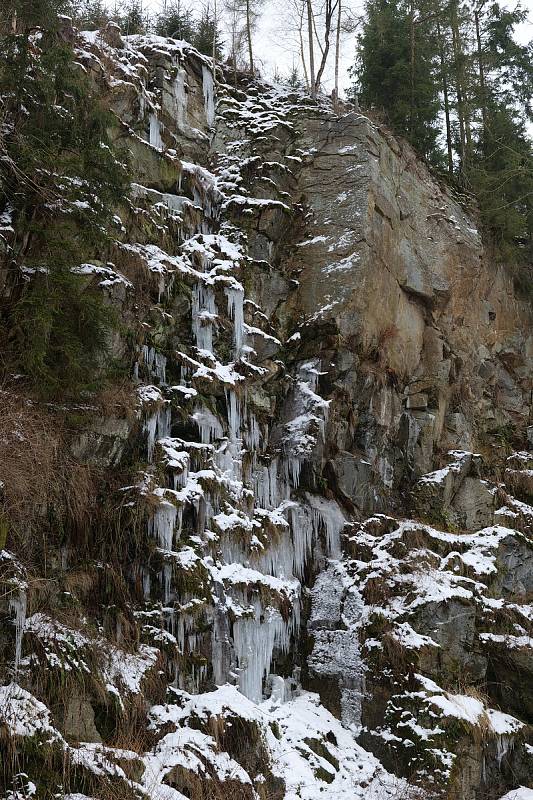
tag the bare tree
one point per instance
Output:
(329, 9)
(310, 36)
(242, 17)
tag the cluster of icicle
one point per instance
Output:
(261, 486)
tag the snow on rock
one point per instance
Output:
(24, 715)
(307, 747)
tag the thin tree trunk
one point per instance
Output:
(446, 101)
(483, 97)
(311, 51)
(330, 10)
(411, 66)
(249, 35)
(458, 82)
(337, 51)
(214, 41)
(302, 53)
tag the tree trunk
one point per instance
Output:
(214, 53)
(249, 35)
(411, 67)
(337, 51)
(330, 10)
(302, 55)
(481, 66)
(446, 101)
(311, 51)
(457, 57)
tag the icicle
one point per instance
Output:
(17, 604)
(166, 581)
(146, 584)
(233, 405)
(204, 312)
(208, 425)
(161, 525)
(253, 434)
(181, 97)
(155, 132)
(209, 95)
(281, 689)
(293, 467)
(254, 642)
(160, 367)
(302, 538)
(155, 363)
(328, 517)
(236, 312)
(157, 426)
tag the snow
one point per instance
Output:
(309, 744)
(249, 528)
(24, 715)
(522, 793)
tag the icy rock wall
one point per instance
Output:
(309, 310)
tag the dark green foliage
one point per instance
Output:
(60, 182)
(500, 169)
(294, 79)
(18, 16)
(502, 175)
(132, 19)
(89, 15)
(206, 32)
(177, 22)
(385, 80)
(425, 63)
(60, 332)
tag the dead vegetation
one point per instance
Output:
(40, 481)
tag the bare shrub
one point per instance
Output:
(38, 476)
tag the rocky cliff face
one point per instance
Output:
(310, 571)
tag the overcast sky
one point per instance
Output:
(275, 49)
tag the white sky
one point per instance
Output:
(275, 49)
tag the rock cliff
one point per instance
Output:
(308, 569)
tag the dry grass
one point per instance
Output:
(377, 591)
(39, 477)
(118, 400)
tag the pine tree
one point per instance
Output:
(90, 15)
(398, 70)
(132, 19)
(501, 168)
(207, 37)
(176, 21)
(60, 181)
(19, 16)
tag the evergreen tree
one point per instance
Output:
(90, 15)
(176, 21)
(207, 32)
(398, 68)
(60, 182)
(501, 168)
(19, 16)
(132, 19)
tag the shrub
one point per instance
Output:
(61, 180)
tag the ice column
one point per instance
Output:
(17, 605)
(209, 95)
